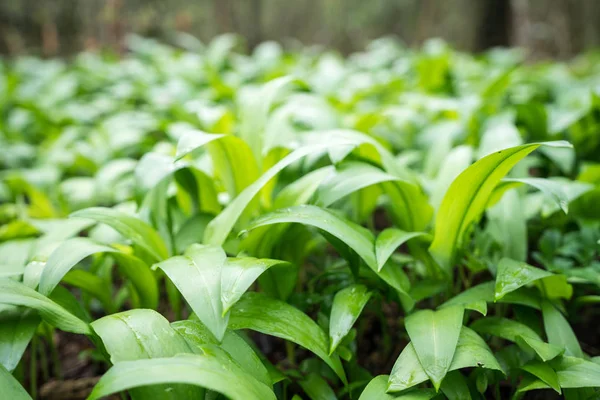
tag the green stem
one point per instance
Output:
(44, 362)
(33, 368)
(291, 353)
(57, 370)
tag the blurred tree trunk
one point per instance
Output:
(544, 27)
(548, 28)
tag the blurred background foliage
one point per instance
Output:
(546, 28)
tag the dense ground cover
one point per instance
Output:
(204, 224)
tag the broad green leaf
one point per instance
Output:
(530, 382)
(240, 351)
(277, 318)
(559, 331)
(508, 225)
(317, 388)
(511, 275)
(347, 305)
(544, 372)
(17, 327)
(376, 390)
(72, 251)
(574, 372)
(14, 256)
(212, 370)
(545, 351)
(191, 139)
(11, 388)
(254, 113)
(238, 274)
(197, 274)
(17, 294)
(233, 163)
(394, 276)
(141, 277)
(408, 205)
(356, 237)
(455, 162)
(467, 197)
(219, 228)
(195, 333)
(455, 387)
(471, 351)
(517, 332)
(388, 241)
(550, 188)
(434, 336)
(130, 227)
(503, 327)
(92, 284)
(349, 178)
(64, 258)
(474, 298)
(138, 334)
(301, 190)
(555, 287)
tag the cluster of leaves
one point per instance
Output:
(364, 210)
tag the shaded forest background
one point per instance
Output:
(546, 28)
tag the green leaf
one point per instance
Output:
(238, 274)
(550, 188)
(197, 275)
(467, 197)
(212, 370)
(138, 334)
(141, 278)
(17, 327)
(544, 372)
(191, 139)
(474, 298)
(508, 225)
(254, 113)
(17, 294)
(516, 332)
(233, 163)
(92, 284)
(356, 237)
(555, 287)
(11, 388)
(68, 254)
(545, 351)
(376, 390)
(512, 275)
(576, 372)
(277, 318)
(388, 241)
(347, 305)
(317, 388)
(434, 336)
(302, 189)
(349, 178)
(503, 327)
(454, 386)
(409, 206)
(559, 331)
(219, 228)
(240, 351)
(471, 351)
(130, 227)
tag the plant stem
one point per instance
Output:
(33, 368)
